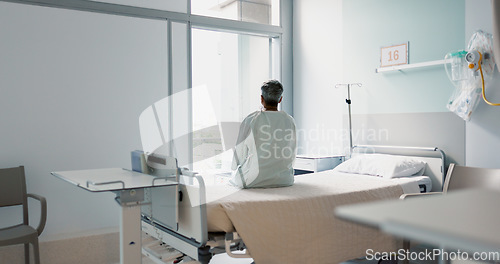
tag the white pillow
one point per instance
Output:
(383, 165)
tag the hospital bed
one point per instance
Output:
(294, 224)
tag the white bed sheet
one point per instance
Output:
(297, 224)
(218, 221)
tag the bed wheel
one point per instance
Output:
(204, 255)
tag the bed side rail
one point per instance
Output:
(191, 235)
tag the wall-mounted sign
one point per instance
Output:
(394, 55)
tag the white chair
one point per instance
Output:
(463, 177)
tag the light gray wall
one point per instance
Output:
(444, 130)
(409, 91)
(410, 104)
(72, 87)
(317, 67)
(483, 130)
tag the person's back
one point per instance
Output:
(266, 146)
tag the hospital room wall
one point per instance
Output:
(482, 133)
(404, 107)
(340, 41)
(421, 92)
(72, 86)
(370, 25)
(317, 67)
(320, 54)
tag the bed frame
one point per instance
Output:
(190, 235)
(433, 156)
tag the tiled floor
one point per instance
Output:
(225, 259)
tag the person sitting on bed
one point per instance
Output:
(266, 145)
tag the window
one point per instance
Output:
(228, 70)
(256, 11)
(175, 6)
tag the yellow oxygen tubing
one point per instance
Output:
(484, 93)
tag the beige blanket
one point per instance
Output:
(297, 224)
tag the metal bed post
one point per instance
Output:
(348, 102)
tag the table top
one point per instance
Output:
(112, 179)
(466, 219)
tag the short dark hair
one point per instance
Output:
(272, 91)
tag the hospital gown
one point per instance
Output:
(265, 151)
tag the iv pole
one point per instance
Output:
(348, 102)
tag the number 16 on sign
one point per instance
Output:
(394, 55)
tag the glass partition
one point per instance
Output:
(228, 70)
